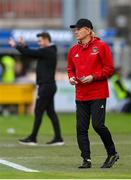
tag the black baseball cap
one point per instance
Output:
(82, 23)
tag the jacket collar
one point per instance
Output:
(93, 39)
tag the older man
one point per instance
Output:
(89, 66)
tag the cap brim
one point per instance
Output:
(37, 35)
(72, 26)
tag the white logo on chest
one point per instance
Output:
(77, 55)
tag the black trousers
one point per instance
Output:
(94, 109)
(45, 102)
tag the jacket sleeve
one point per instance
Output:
(36, 53)
(70, 66)
(107, 64)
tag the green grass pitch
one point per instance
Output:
(62, 162)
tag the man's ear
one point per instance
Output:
(88, 30)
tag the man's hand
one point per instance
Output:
(12, 42)
(73, 81)
(86, 79)
(22, 41)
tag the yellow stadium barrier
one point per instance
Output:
(17, 94)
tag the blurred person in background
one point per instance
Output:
(1, 70)
(46, 57)
(8, 75)
(121, 92)
(1, 75)
(89, 66)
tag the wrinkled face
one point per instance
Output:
(82, 33)
(43, 42)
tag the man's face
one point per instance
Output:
(82, 33)
(43, 42)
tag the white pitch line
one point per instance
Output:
(16, 166)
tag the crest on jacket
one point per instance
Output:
(94, 50)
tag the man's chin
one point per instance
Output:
(78, 39)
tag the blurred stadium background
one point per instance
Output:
(28, 17)
(112, 22)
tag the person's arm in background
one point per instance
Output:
(22, 42)
(36, 53)
(107, 64)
